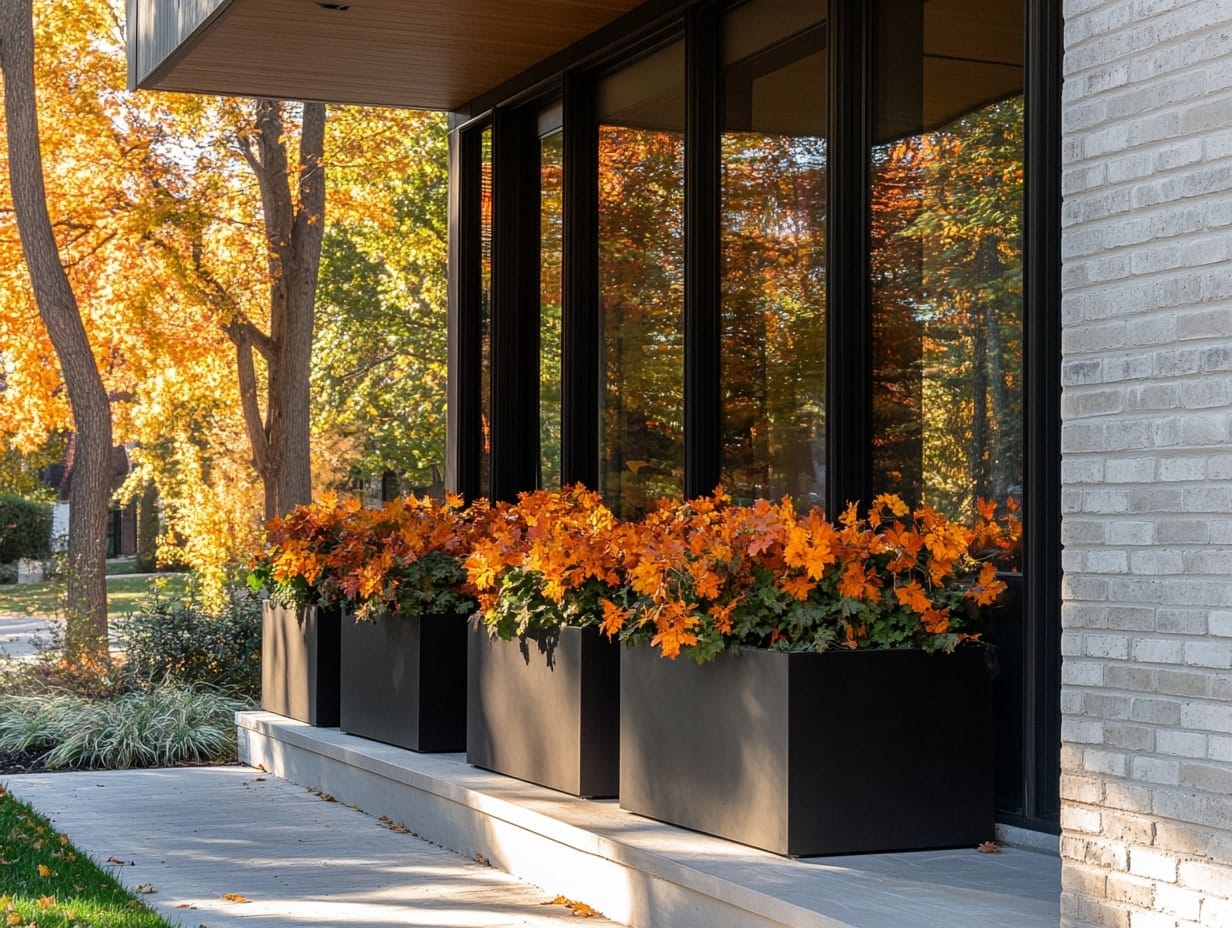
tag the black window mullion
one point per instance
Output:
(702, 319)
(1042, 398)
(849, 338)
(464, 438)
(580, 351)
(515, 303)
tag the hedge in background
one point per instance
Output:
(25, 529)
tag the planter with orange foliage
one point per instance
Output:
(542, 681)
(396, 574)
(403, 681)
(806, 754)
(839, 700)
(300, 623)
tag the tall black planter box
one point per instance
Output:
(808, 754)
(299, 663)
(404, 681)
(546, 712)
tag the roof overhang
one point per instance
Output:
(426, 54)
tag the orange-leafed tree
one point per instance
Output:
(57, 307)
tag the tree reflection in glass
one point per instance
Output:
(946, 252)
(551, 169)
(773, 244)
(485, 312)
(641, 281)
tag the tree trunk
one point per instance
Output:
(90, 490)
(147, 528)
(294, 226)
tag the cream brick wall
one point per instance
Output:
(1147, 464)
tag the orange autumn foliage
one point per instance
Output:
(403, 558)
(692, 577)
(711, 575)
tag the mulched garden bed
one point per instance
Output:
(22, 763)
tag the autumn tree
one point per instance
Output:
(234, 226)
(58, 309)
(189, 228)
(293, 214)
(103, 191)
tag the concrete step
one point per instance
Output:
(644, 873)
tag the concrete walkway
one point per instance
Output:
(19, 632)
(197, 834)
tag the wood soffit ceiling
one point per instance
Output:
(426, 54)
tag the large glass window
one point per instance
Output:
(551, 217)
(773, 250)
(641, 280)
(946, 250)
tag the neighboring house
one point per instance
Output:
(947, 248)
(121, 520)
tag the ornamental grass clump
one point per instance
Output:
(159, 727)
(404, 558)
(550, 559)
(710, 576)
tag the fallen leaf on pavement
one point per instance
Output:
(234, 897)
(579, 909)
(989, 847)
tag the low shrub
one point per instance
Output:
(25, 529)
(183, 641)
(159, 727)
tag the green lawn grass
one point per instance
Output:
(47, 599)
(45, 881)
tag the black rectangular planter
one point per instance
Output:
(807, 754)
(404, 681)
(546, 713)
(299, 663)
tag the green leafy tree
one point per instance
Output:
(379, 364)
